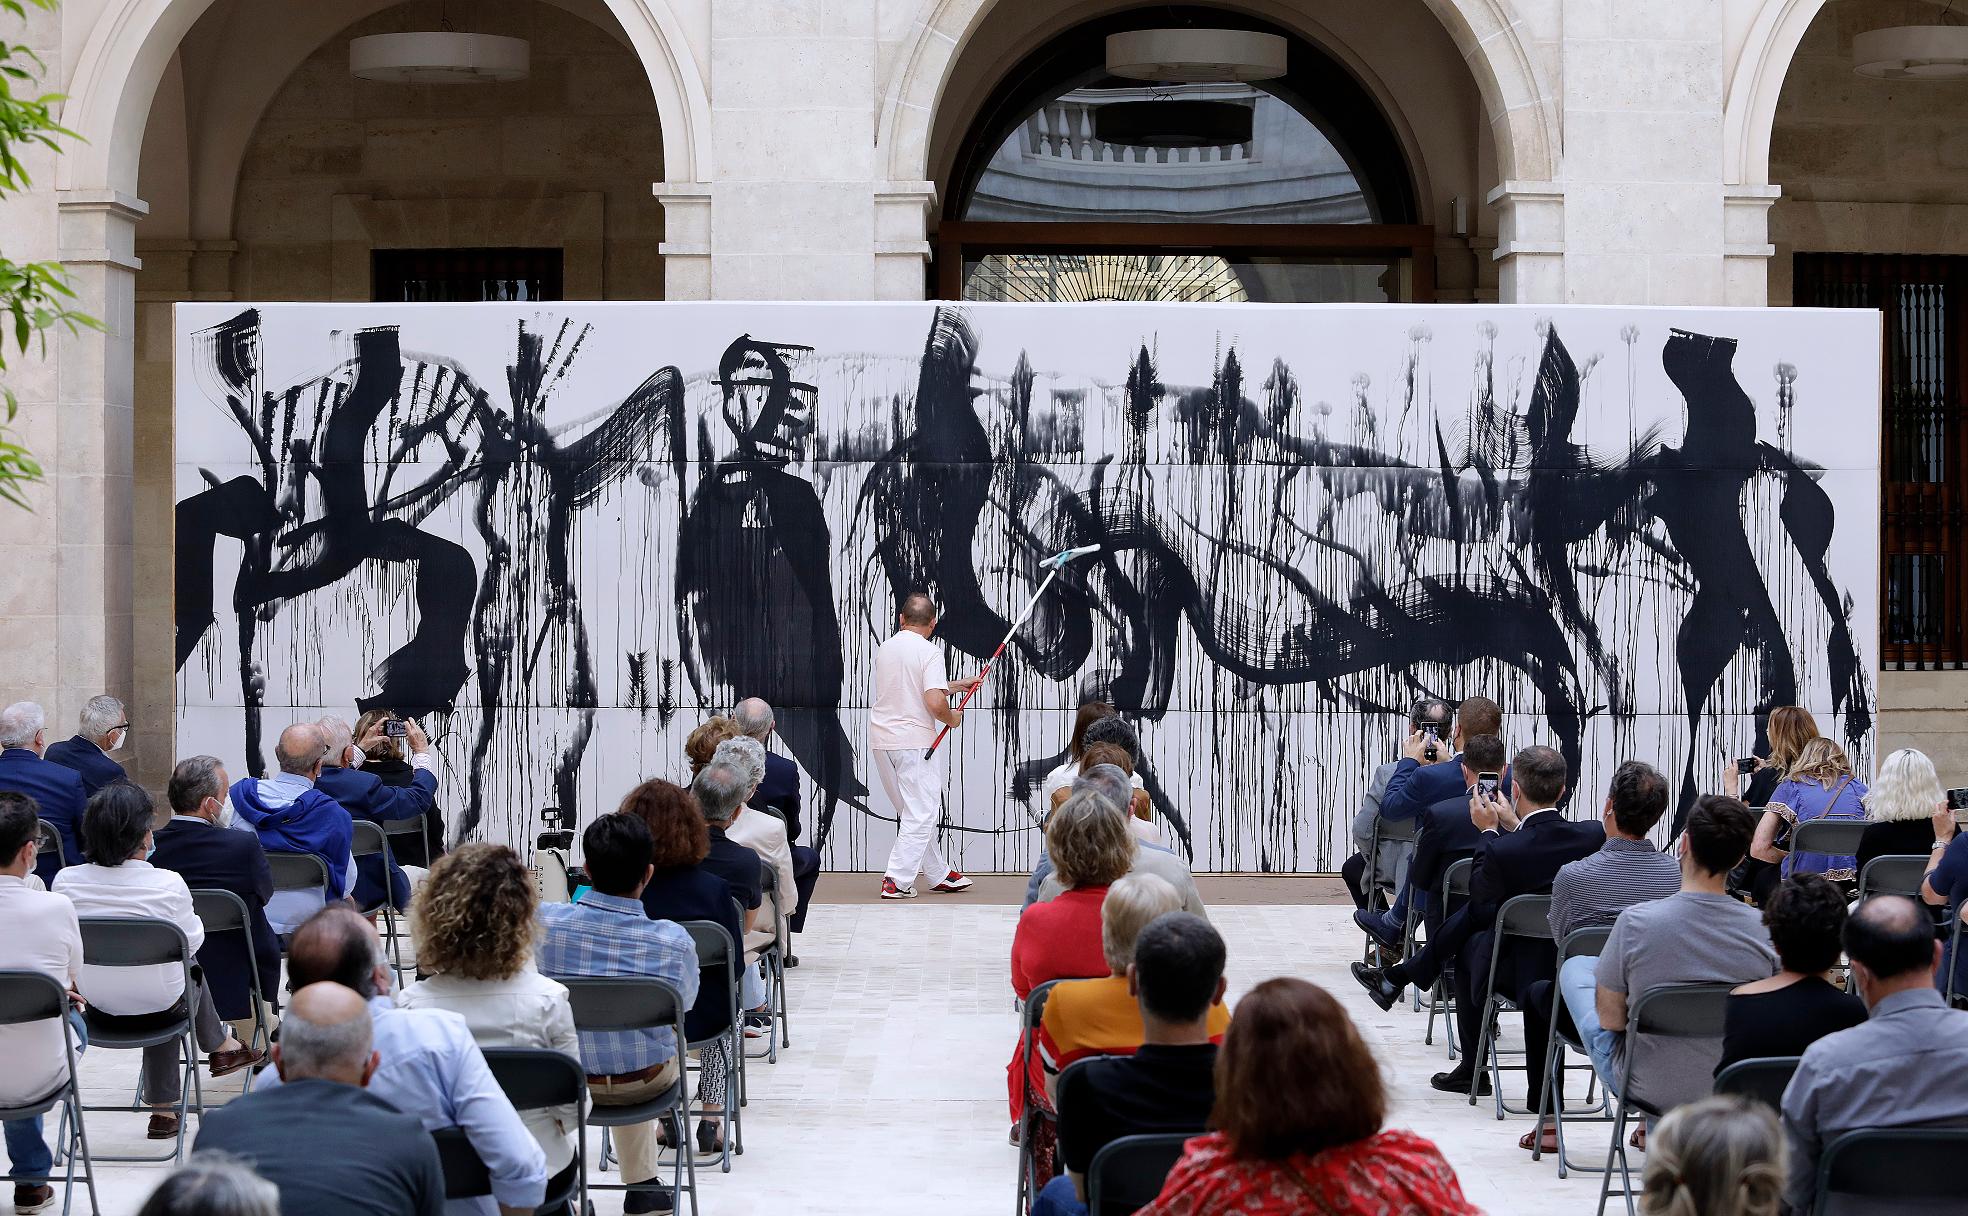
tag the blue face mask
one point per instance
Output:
(150, 850)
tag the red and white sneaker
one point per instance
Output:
(953, 881)
(891, 891)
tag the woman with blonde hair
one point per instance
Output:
(1721, 1156)
(475, 920)
(1904, 807)
(1790, 727)
(1820, 785)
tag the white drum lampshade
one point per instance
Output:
(439, 57)
(1195, 56)
(1912, 52)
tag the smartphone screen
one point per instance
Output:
(1746, 765)
(1487, 784)
(1957, 801)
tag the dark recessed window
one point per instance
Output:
(471, 276)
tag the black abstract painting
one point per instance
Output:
(564, 536)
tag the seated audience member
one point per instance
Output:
(431, 1066)
(681, 889)
(103, 729)
(1720, 1156)
(1300, 1109)
(780, 792)
(1698, 935)
(1819, 786)
(1109, 782)
(1789, 1011)
(1525, 842)
(1392, 861)
(607, 932)
(364, 796)
(212, 1184)
(1446, 835)
(1902, 1067)
(1060, 939)
(196, 846)
(1147, 859)
(383, 759)
(1418, 783)
(42, 935)
(1168, 1084)
(1902, 807)
(321, 1137)
(1139, 806)
(1790, 727)
(1099, 1016)
(762, 833)
(720, 791)
(1946, 885)
(1062, 776)
(57, 791)
(290, 815)
(476, 918)
(118, 881)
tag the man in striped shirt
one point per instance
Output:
(608, 933)
(1594, 890)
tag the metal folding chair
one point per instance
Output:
(297, 872)
(719, 962)
(1522, 916)
(532, 1078)
(1579, 942)
(1893, 874)
(224, 912)
(31, 996)
(112, 941)
(405, 829)
(1441, 998)
(1891, 1163)
(1836, 837)
(1388, 834)
(48, 836)
(603, 1004)
(774, 957)
(1676, 1011)
(1763, 1079)
(1034, 1108)
(1127, 1174)
(370, 841)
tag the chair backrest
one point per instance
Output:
(297, 871)
(1680, 1011)
(140, 941)
(219, 911)
(465, 1173)
(1904, 1163)
(1035, 1003)
(1763, 1079)
(1589, 942)
(368, 840)
(30, 996)
(623, 1002)
(1525, 916)
(413, 826)
(1893, 874)
(536, 1077)
(1455, 879)
(1127, 1174)
(1836, 837)
(1394, 831)
(49, 838)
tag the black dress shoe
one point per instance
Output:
(792, 960)
(1374, 925)
(1383, 990)
(1456, 1081)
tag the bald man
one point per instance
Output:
(291, 816)
(780, 791)
(320, 1136)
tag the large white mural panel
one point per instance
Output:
(566, 533)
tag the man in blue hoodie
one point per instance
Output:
(291, 816)
(364, 796)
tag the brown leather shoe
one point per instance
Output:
(225, 1063)
(163, 1126)
(33, 1197)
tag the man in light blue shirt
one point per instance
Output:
(291, 816)
(430, 1066)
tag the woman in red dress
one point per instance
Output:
(1299, 1107)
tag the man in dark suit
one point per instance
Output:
(196, 845)
(57, 791)
(1525, 843)
(365, 796)
(1418, 783)
(780, 790)
(104, 729)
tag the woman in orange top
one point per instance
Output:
(1299, 1108)
(1060, 939)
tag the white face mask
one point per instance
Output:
(355, 757)
(226, 813)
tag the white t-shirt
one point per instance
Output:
(906, 666)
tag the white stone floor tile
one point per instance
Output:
(892, 1096)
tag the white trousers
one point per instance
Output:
(915, 789)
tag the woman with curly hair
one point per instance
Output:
(1721, 1156)
(680, 890)
(1784, 1014)
(475, 922)
(702, 743)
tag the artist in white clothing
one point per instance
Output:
(912, 696)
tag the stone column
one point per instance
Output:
(1530, 242)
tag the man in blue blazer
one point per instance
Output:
(196, 845)
(780, 791)
(365, 796)
(104, 729)
(1418, 783)
(57, 791)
